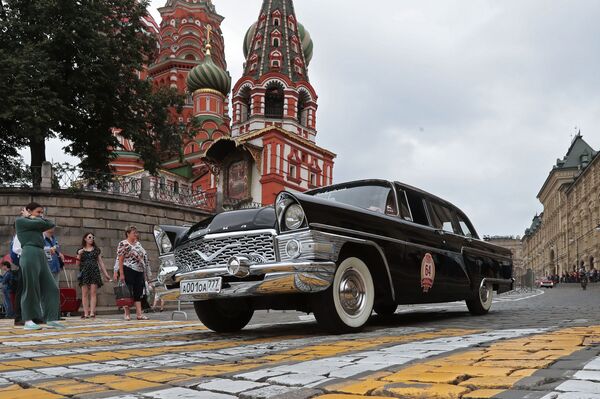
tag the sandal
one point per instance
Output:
(143, 317)
(92, 316)
(84, 316)
(127, 318)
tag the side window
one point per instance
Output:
(441, 217)
(403, 203)
(390, 204)
(417, 208)
(464, 226)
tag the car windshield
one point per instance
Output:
(374, 198)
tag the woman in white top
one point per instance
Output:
(133, 269)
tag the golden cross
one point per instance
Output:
(208, 32)
(208, 45)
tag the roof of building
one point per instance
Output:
(579, 154)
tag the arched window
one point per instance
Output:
(303, 100)
(245, 111)
(274, 100)
(276, 21)
(275, 42)
(176, 187)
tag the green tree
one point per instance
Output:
(70, 69)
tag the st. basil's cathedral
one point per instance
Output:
(269, 142)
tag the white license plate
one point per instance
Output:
(206, 285)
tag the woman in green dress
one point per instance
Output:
(40, 297)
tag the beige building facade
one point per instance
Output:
(566, 235)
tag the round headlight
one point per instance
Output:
(165, 244)
(294, 217)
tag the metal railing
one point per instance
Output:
(173, 193)
(77, 180)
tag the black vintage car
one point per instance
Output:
(340, 252)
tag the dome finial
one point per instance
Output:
(208, 46)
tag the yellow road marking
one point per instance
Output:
(473, 374)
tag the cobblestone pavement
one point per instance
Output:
(540, 344)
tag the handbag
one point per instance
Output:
(123, 296)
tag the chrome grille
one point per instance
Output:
(218, 250)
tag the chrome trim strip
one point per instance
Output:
(239, 233)
(263, 269)
(366, 242)
(376, 236)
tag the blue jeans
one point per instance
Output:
(7, 304)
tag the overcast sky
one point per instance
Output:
(470, 100)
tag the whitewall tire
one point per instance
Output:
(347, 304)
(482, 299)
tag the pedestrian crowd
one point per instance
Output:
(575, 277)
(30, 280)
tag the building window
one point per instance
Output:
(175, 187)
(274, 100)
(313, 179)
(302, 111)
(292, 171)
(276, 22)
(275, 63)
(275, 42)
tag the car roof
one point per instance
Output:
(381, 182)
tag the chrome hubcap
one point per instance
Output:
(352, 292)
(484, 294)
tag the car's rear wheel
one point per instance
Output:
(224, 315)
(481, 302)
(347, 304)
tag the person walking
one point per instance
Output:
(40, 296)
(56, 259)
(90, 264)
(8, 289)
(133, 269)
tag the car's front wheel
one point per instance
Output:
(347, 304)
(481, 302)
(224, 315)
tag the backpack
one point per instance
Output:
(14, 257)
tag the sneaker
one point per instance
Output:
(30, 325)
(55, 324)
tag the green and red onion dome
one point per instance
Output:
(208, 75)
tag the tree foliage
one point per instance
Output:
(70, 69)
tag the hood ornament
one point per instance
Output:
(208, 258)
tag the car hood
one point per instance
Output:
(227, 222)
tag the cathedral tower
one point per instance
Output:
(274, 110)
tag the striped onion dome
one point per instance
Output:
(208, 75)
(306, 40)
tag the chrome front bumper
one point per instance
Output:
(290, 277)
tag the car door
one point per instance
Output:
(452, 273)
(428, 267)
